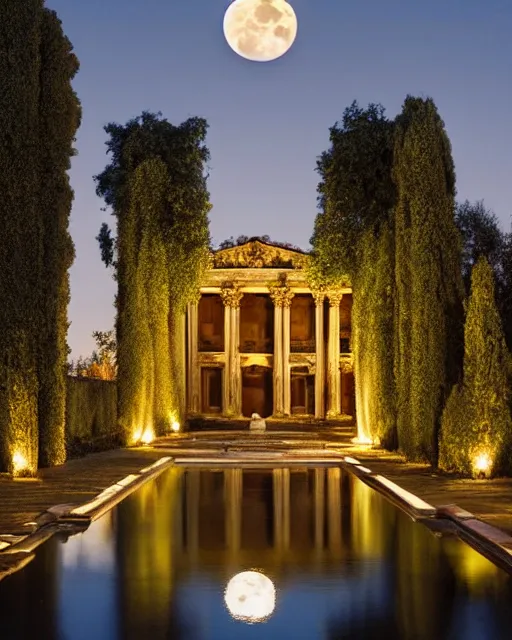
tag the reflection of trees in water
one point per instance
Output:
(429, 583)
(146, 530)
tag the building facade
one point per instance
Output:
(260, 340)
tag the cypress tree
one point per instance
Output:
(59, 119)
(372, 337)
(354, 235)
(21, 232)
(476, 424)
(162, 249)
(428, 277)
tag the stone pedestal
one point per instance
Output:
(320, 356)
(333, 356)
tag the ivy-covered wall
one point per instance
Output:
(91, 415)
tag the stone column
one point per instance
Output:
(194, 377)
(320, 356)
(231, 296)
(226, 374)
(236, 370)
(333, 356)
(281, 297)
(278, 359)
(287, 303)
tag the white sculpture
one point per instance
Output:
(257, 423)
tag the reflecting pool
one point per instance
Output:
(241, 554)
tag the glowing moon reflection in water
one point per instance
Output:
(250, 596)
(260, 30)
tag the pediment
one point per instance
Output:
(258, 255)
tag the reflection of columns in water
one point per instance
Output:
(233, 491)
(194, 378)
(334, 507)
(193, 487)
(319, 508)
(281, 489)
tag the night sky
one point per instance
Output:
(269, 122)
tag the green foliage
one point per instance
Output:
(20, 229)
(39, 115)
(505, 288)
(428, 284)
(372, 335)
(107, 245)
(476, 419)
(356, 191)
(59, 119)
(353, 242)
(156, 186)
(91, 413)
(481, 236)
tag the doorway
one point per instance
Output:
(257, 391)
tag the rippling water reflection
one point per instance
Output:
(343, 562)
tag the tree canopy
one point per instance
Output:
(476, 425)
(39, 115)
(155, 185)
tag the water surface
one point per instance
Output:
(343, 561)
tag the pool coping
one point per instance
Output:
(489, 541)
(17, 551)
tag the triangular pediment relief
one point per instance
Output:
(258, 255)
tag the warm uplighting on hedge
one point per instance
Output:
(482, 465)
(147, 436)
(143, 436)
(20, 464)
(175, 426)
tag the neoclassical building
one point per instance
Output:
(260, 339)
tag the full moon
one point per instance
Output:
(260, 30)
(250, 596)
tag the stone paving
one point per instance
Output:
(79, 480)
